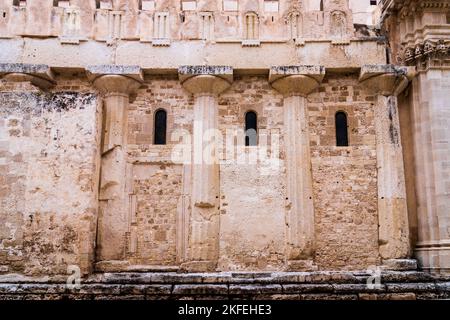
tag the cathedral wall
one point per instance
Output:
(158, 190)
(253, 194)
(49, 173)
(344, 178)
(252, 235)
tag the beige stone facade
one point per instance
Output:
(83, 183)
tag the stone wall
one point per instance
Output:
(48, 160)
(253, 196)
(345, 178)
(252, 193)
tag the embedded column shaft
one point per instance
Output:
(113, 224)
(295, 83)
(392, 206)
(205, 191)
(300, 234)
(387, 82)
(204, 221)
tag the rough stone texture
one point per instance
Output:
(252, 196)
(428, 151)
(300, 286)
(83, 185)
(49, 169)
(344, 178)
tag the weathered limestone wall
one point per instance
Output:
(405, 101)
(49, 173)
(253, 201)
(345, 178)
(168, 19)
(159, 196)
(252, 235)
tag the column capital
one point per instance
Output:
(114, 79)
(386, 80)
(39, 75)
(209, 80)
(296, 80)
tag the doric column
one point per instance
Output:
(115, 83)
(295, 83)
(205, 83)
(387, 82)
(38, 75)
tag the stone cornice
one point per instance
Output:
(405, 8)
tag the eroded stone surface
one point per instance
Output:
(85, 188)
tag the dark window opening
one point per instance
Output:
(341, 129)
(321, 5)
(251, 129)
(160, 127)
(373, 2)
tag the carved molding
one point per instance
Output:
(425, 52)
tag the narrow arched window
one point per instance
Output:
(160, 127)
(341, 129)
(321, 5)
(251, 129)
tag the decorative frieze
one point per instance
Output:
(72, 21)
(426, 53)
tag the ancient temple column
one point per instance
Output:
(295, 83)
(40, 76)
(115, 83)
(205, 83)
(387, 82)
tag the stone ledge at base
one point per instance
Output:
(320, 285)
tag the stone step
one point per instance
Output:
(276, 285)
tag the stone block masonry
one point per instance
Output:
(233, 286)
(245, 147)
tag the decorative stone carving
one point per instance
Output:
(429, 50)
(338, 26)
